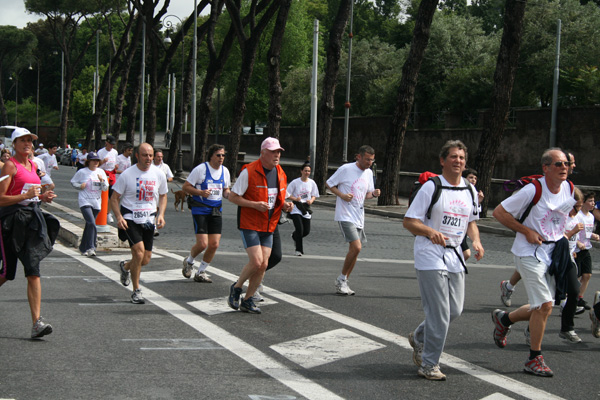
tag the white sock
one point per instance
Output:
(190, 259)
(203, 266)
(343, 277)
(509, 286)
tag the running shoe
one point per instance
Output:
(570, 336)
(538, 367)
(527, 335)
(249, 306)
(431, 373)
(341, 287)
(505, 294)
(578, 309)
(40, 328)
(202, 277)
(234, 297)
(136, 297)
(109, 218)
(417, 349)
(500, 331)
(298, 253)
(187, 268)
(125, 279)
(595, 321)
(582, 303)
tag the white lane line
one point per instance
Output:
(235, 345)
(496, 396)
(466, 367)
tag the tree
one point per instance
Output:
(406, 94)
(504, 78)
(248, 45)
(16, 47)
(334, 50)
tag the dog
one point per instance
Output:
(180, 198)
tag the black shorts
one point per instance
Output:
(136, 233)
(584, 262)
(8, 267)
(207, 224)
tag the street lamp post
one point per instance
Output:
(169, 25)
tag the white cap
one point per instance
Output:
(17, 133)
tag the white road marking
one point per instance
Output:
(219, 305)
(324, 348)
(496, 396)
(235, 345)
(178, 344)
(466, 367)
(118, 257)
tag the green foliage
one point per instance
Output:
(580, 86)
(295, 101)
(491, 13)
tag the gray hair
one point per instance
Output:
(547, 157)
(450, 144)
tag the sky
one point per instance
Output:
(13, 11)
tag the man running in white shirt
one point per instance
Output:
(136, 196)
(208, 183)
(50, 163)
(158, 161)
(352, 183)
(124, 159)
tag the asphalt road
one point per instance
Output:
(307, 344)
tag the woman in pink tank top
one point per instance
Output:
(20, 187)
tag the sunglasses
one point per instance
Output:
(220, 155)
(559, 164)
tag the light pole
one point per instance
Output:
(168, 24)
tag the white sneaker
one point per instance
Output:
(431, 373)
(202, 277)
(109, 218)
(297, 253)
(187, 268)
(341, 287)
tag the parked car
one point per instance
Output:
(65, 158)
(259, 131)
(246, 130)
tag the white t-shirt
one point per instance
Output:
(92, 194)
(450, 215)
(140, 191)
(198, 175)
(304, 190)
(49, 162)
(112, 158)
(123, 162)
(569, 226)
(166, 170)
(585, 235)
(81, 158)
(548, 218)
(349, 178)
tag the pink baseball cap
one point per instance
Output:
(271, 144)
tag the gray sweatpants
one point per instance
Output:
(442, 297)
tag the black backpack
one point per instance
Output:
(437, 191)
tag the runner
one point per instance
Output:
(208, 183)
(139, 190)
(24, 225)
(108, 161)
(352, 183)
(303, 192)
(259, 193)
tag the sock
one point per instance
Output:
(505, 320)
(509, 286)
(534, 353)
(342, 277)
(190, 259)
(203, 265)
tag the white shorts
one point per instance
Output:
(540, 286)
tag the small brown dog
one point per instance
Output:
(180, 198)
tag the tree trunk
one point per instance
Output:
(334, 50)
(406, 96)
(249, 46)
(504, 78)
(3, 112)
(150, 124)
(273, 54)
(133, 101)
(64, 118)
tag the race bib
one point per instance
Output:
(143, 214)
(272, 197)
(25, 190)
(216, 191)
(589, 229)
(304, 197)
(453, 225)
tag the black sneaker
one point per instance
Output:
(582, 303)
(234, 297)
(249, 306)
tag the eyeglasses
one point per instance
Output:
(220, 155)
(559, 164)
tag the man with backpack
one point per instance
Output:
(534, 250)
(443, 210)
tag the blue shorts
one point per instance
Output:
(253, 238)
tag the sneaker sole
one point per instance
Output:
(569, 339)
(542, 374)
(250, 311)
(47, 330)
(432, 378)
